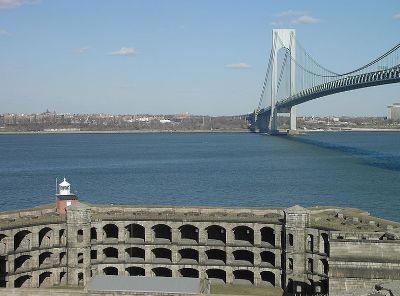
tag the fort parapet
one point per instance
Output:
(304, 251)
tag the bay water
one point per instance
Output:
(345, 169)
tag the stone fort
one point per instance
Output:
(311, 251)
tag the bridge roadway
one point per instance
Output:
(382, 77)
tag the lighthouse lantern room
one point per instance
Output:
(64, 197)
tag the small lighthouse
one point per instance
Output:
(64, 197)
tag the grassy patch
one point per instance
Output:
(245, 290)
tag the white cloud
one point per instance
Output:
(7, 4)
(238, 66)
(306, 19)
(4, 32)
(124, 51)
(290, 13)
(82, 50)
(396, 17)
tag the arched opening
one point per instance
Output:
(216, 257)
(268, 236)
(63, 258)
(324, 243)
(267, 259)
(80, 279)
(135, 254)
(63, 278)
(189, 272)
(80, 258)
(324, 287)
(22, 240)
(216, 235)
(162, 272)
(310, 243)
(136, 232)
(188, 256)
(268, 278)
(93, 254)
(324, 266)
(243, 235)
(45, 236)
(290, 263)
(45, 259)
(289, 287)
(162, 255)
(110, 270)
(110, 253)
(62, 237)
(290, 239)
(216, 275)
(310, 287)
(93, 233)
(135, 271)
(110, 231)
(79, 236)
(21, 262)
(45, 279)
(162, 233)
(3, 244)
(22, 281)
(189, 233)
(243, 257)
(310, 265)
(3, 271)
(243, 277)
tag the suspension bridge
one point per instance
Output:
(294, 77)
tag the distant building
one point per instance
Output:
(394, 112)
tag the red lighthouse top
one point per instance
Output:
(64, 197)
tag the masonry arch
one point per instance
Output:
(45, 258)
(216, 275)
(189, 272)
(3, 243)
(110, 252)
(110, 270)
(162, 272)
(243, 257)
(23, 281)
(162, 233)
(243, 235)
(189, 232)
(22, 240)
(134, 253)
(243, 276)
(324, 245)
(268, 278)
(162, 255)
(93, 233)
(136, 271)
(62, 237)
(135, 231)
(45, 279)
(45, 237)
(216, 256)
(268, 236)
(110, 231)
(188, 256)
(22, 262)
(267, 258)
(216, 234)
(79, 236)
(310, 243)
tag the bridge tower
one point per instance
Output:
(282, 39)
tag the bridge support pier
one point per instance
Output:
(293, 118)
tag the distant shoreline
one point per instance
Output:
(123, 132)
(300, 131)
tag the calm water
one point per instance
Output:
(359, 169)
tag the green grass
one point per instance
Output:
(245, 290)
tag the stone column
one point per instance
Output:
(78, 219)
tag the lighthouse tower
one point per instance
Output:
(64, 197)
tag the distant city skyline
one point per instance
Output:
(169, 57)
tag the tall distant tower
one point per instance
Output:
(64, 197)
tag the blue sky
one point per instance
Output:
(173, 56)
